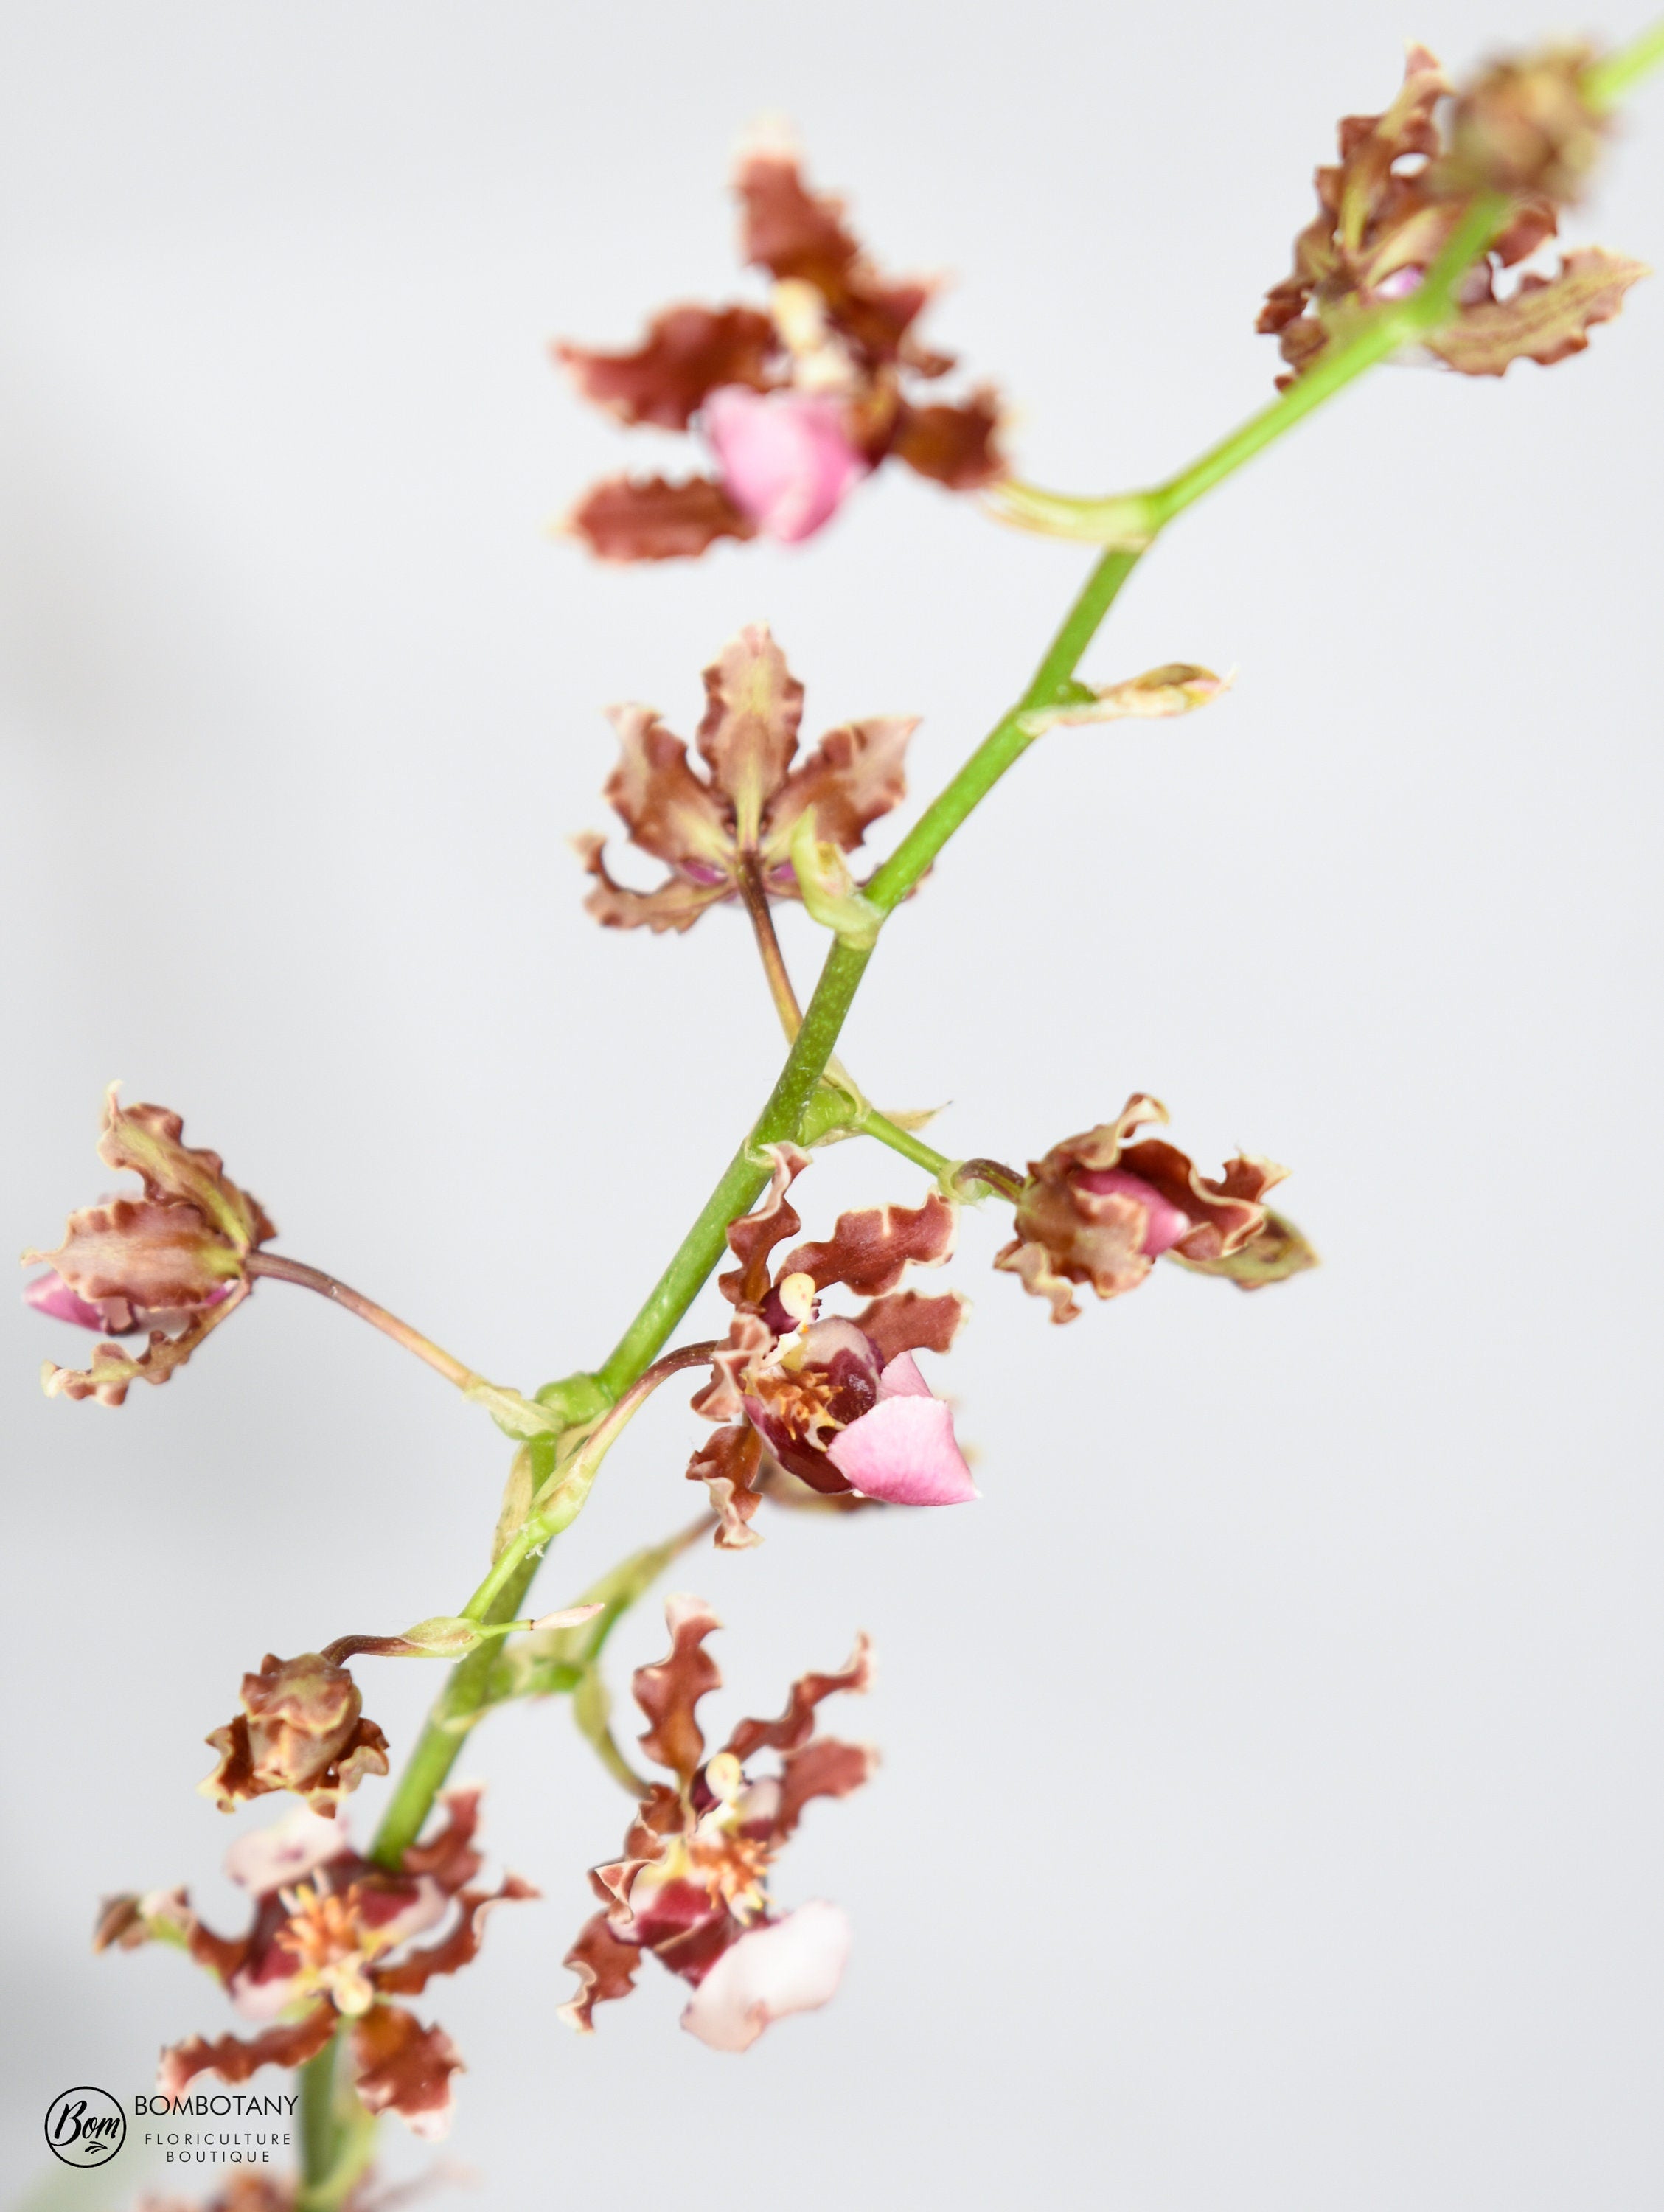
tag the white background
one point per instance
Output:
(1270, 1807)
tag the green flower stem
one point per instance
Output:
(319, 2132)
(742, 1182)
(1007, 742)
(875, 1124)
(1137, 518)
(746, 1175)
(337, 2134)
(781, 1118)
(566, 1494)
(830, 1109)
(439, 1745)
(498, 1599)
(467, 1688)
(1606, 82)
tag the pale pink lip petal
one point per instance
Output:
(269, 1995)
(902, 1379)
(1400, 283)
(792, 1966)
(904, 1451)
(266, 1860)
(433, 2122)
(51, 1294)
(1167, 1223)
(785, 460)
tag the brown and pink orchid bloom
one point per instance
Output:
(727, 834)
(839, 1404)
(332, 1942)
(1102, 1208)
(302, 1728)
(172, 1263)
(795, 403)
(692, 1887)
(1403, 185)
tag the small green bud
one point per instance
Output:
(1279, 1251)
(828, 888)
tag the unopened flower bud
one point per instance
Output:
(173, 1260)
(569, 1616)
(1271, 1255)
(1102, 1207)
(828, 890)
(1526, 127)
(301, 1728)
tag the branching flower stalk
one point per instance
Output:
(813, 1047)
(797, 406)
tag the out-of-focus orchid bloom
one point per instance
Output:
(692, 1887)
(796, 403)
(328, 1946)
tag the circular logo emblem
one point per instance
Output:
(85, 2127)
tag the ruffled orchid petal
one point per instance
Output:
(51, 1295)
(791, 1966)
(269, 1859)
(904, 1453)
(787, 460)
(1101, 1206)
(1167, 1222)
(394, 1918)
(902, 1379)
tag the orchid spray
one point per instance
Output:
(1428, 241)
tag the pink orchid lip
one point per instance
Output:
(787, 460)
(902, 1379)
(265, 1992)
(787, 1966)
(904, 1452)
(51, 1295)
(1401, 283)
(1167, 1223)
(266, 1860)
